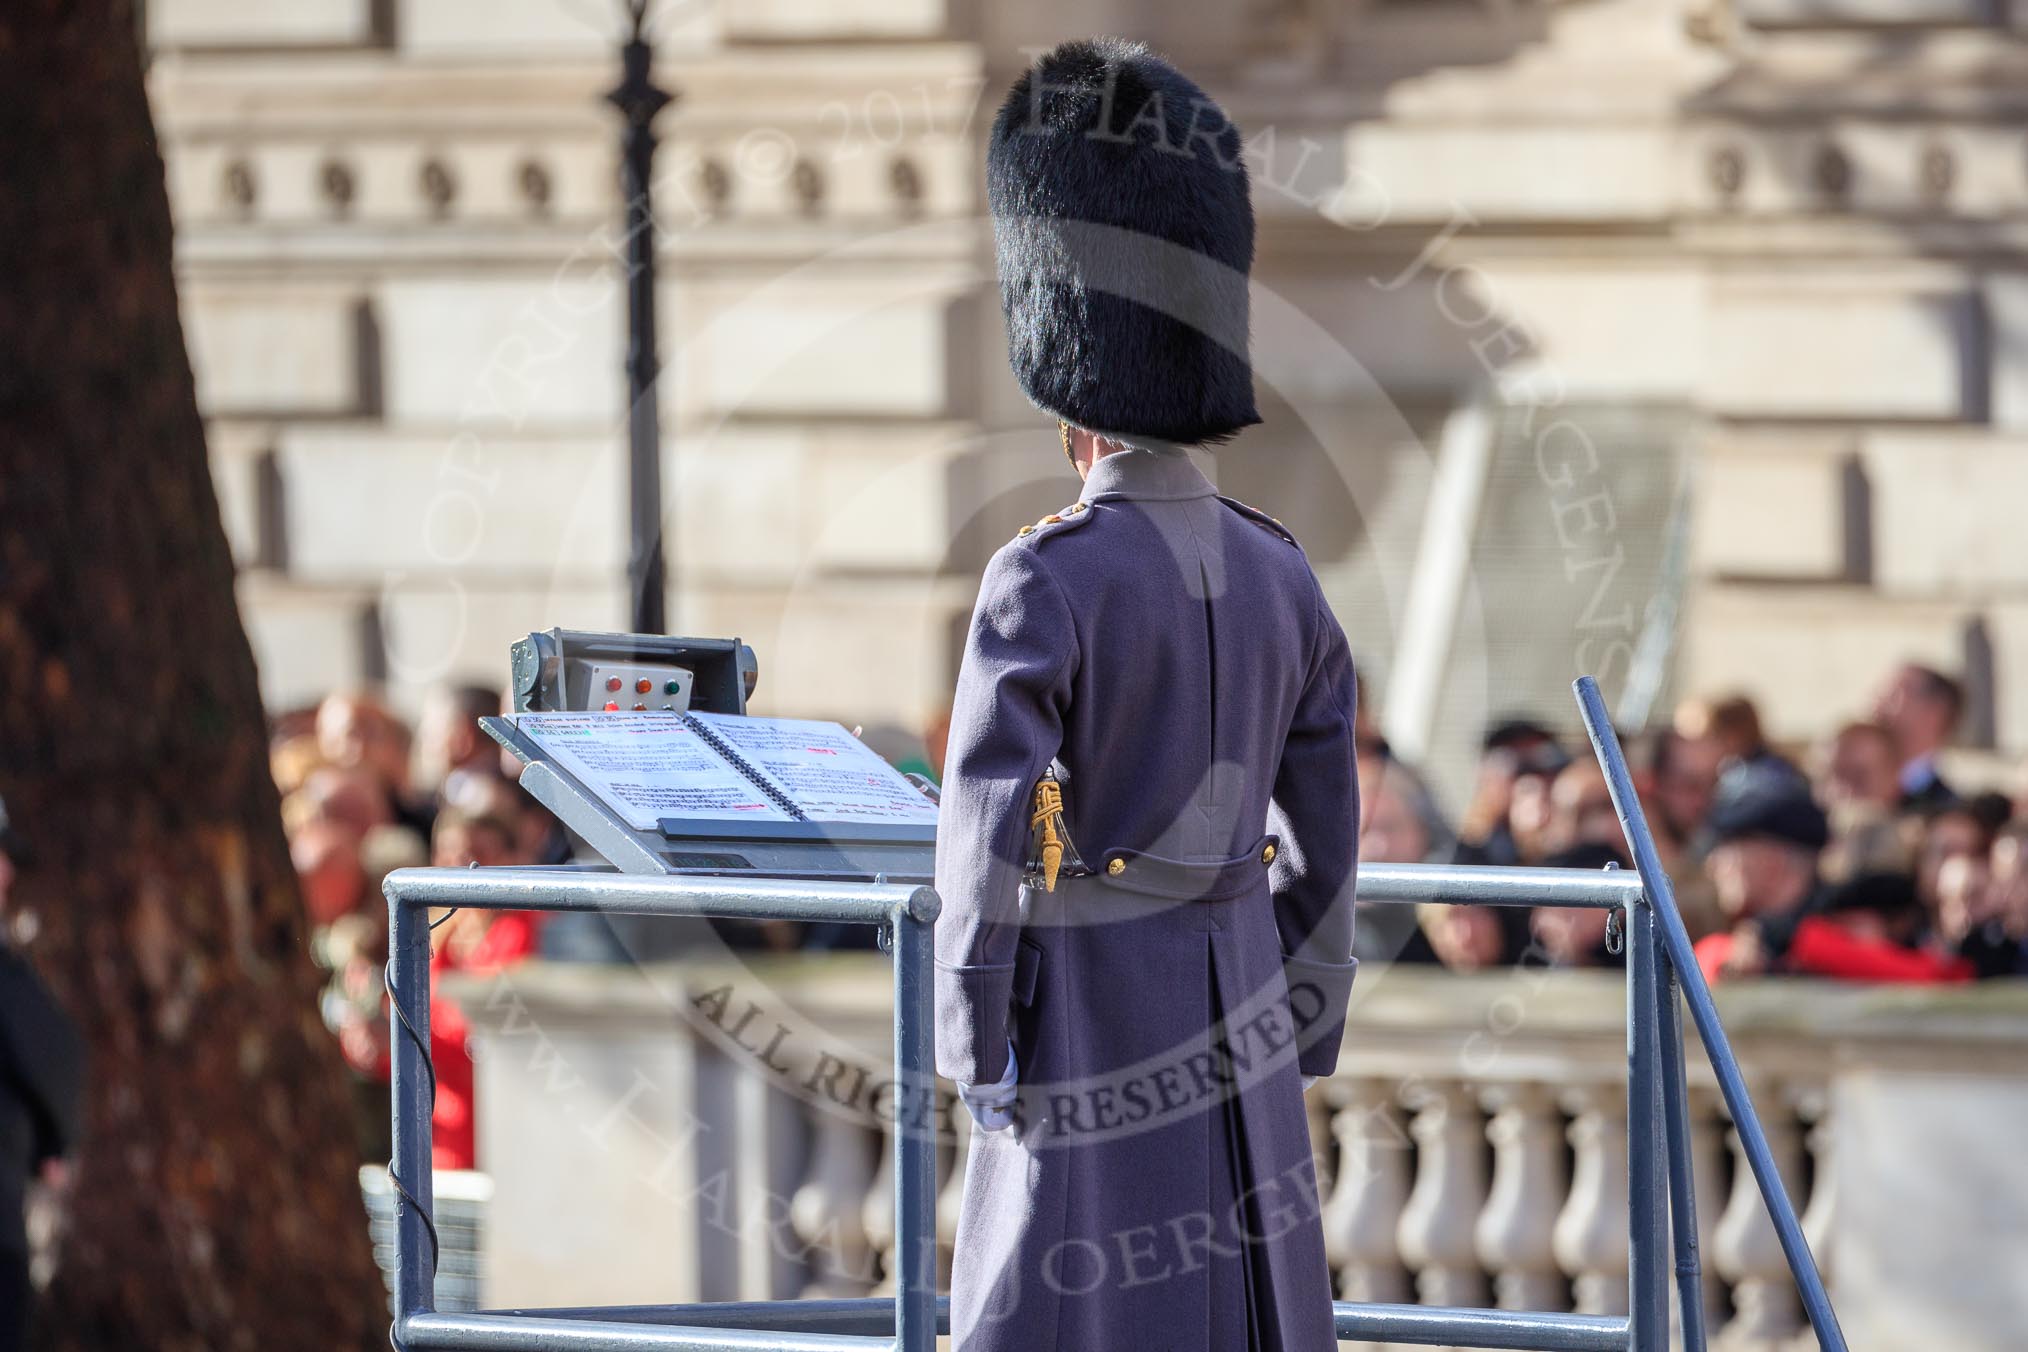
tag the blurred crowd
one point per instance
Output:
(1853, 859)
(363, 795)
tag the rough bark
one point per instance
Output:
(217, 1203)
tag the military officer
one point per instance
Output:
(1150, 813)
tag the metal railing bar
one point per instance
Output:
(1420, 1324)
(864, 1315)
(413, 1086)
(1484, 885)
(515, 889)
(519, 1333)
(1724, 1064)
(915, 1149)
(1437, 1326)
(1647, 1195)
(1682, 1183)
(875, 903)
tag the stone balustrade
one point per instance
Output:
(719, 1132)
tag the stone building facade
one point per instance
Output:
(1685, 341)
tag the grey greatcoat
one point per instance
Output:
(1168, 655)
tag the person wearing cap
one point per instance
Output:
(41, 1097)
(1149, 825)
(1768, 833)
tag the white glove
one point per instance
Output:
(992, 1105)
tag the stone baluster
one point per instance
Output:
(770, 1132)
(951, 1199)
(1590, 1234)
(1369, 1190)
(827, 1211)
(1707, 1164)
(1435, 1233)
(877, 1215)
(1514, 1233)
(1820, 1215)
(1766, 1311)
(1317, 1113)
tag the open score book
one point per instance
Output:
(699, 767)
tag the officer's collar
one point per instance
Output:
(1171, 473)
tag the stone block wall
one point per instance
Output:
(400, 255)
(399, 246)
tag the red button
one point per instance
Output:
(643, 686)
(611, 707)
(612, 683)
(640, 708)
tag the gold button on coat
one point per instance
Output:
(1117, 867)
(1267, 853)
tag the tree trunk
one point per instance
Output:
(217, 1204)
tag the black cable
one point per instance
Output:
(393, 1176)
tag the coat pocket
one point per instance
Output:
(1027, 969)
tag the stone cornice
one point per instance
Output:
(363, 92)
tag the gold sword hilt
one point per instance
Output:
(1048, 816)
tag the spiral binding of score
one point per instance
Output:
(745, 767)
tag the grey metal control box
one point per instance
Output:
(579, 670)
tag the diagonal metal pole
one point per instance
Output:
(1731, 1083)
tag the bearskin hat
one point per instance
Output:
(1124, 233)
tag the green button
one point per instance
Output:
(672, 686)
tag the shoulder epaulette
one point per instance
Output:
(1056, 523)
(1259, 518)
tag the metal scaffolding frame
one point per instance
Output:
(1662, 1223)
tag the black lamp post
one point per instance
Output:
(639, 99)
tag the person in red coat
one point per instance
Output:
(468, 941)
(1781, 918)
